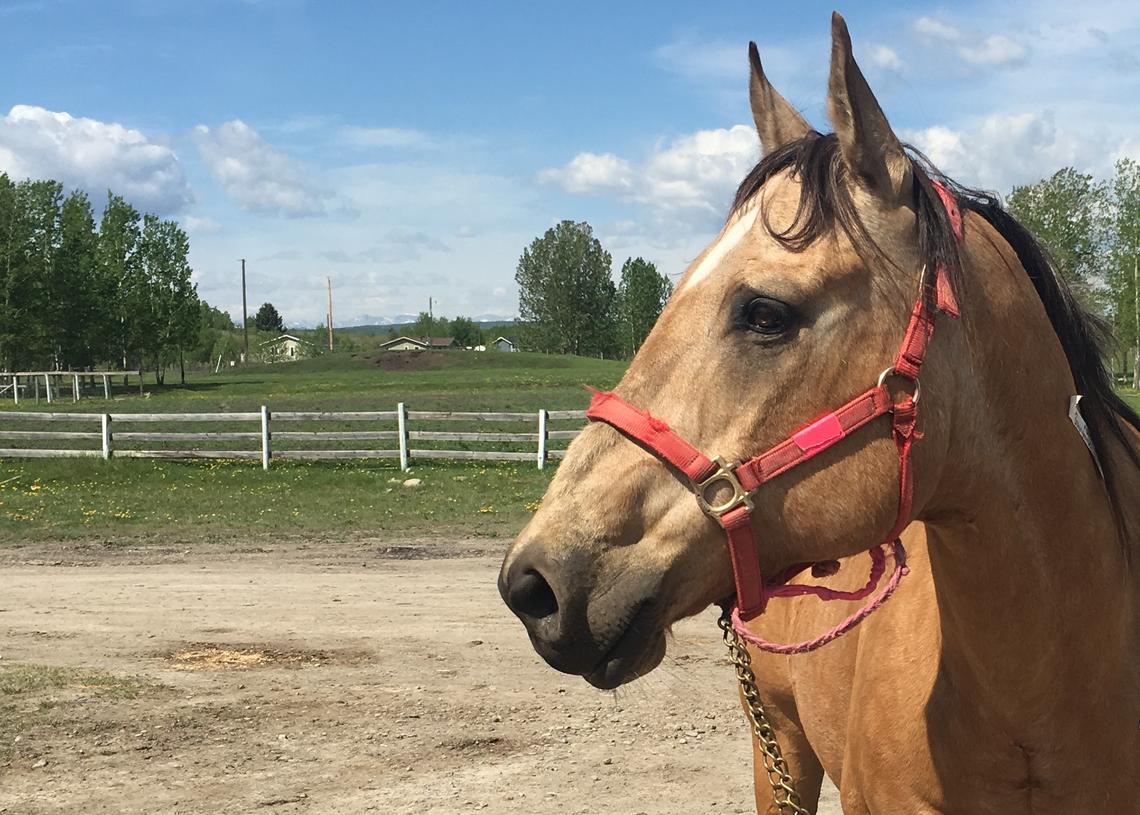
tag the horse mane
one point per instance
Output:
(826, 202)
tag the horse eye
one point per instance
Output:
(768, 317)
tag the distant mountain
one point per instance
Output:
(383, 328)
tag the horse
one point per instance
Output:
(1003, 675)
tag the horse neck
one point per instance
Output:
(1034, 590)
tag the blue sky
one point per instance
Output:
(413, 150)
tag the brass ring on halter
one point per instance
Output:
(891, 371)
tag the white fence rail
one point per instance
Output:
(265, 438)
(12, 382)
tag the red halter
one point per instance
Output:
(734, 514)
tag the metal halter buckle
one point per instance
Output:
(723, 475)
(891, 372)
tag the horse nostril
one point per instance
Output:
(531, 596)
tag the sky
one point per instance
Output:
(413, 150)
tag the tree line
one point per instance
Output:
(1091, 228)
(570, 304)
(76, 293)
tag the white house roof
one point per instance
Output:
(286, 337)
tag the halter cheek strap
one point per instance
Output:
(711, 478)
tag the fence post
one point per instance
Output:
(541, 438)
(402, 428)
(15, 389)
(47, 384)
(106, 388)
(264, 437)
(75, 388)
(106, 436)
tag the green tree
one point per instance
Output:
(268, 319)
(567, 294)
(428, 326)
(642, 293)
(32, 243)
(167, 312)
(116, 279)
(1067, 212)
(212, 325)
(76, 311)
(1124, 267)
(466, 332)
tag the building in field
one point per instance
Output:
(418, 344)
(504, 344)
(285, 348)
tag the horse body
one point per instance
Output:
(1004, 675)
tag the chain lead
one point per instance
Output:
(784, 793)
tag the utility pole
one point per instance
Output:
(329, 279)
(244, 314)
(430, 315)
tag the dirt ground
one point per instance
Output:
(333, 678)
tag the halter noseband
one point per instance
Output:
(734, 514)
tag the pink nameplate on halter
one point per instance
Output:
(819, 433)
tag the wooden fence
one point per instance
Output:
(10, 383)
(538, 436)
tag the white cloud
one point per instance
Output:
(200, 226)
(996, 49)
(259, 177)
(886, 58)
(396, 246)
(697, 172)
(704, 60)
(591, 173)
(936, 29)
(93, 155)
(993, 50)
(1002, 150)
(384, 137)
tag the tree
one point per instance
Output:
(642, 293)
(116, 279)
(567, 294)
(428, 326)
(268, 319)
(466, 332)
(77, 311)
(1124, 267)
(1067, 212)
(72, 296)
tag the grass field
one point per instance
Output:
(163, 501)
(132, 500)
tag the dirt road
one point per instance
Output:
(333, 678)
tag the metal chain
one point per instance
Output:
(784, 794)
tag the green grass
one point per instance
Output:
(439, 380)
(163, 501)
(21, 679)
(170, 501)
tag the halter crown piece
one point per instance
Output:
(734, 514)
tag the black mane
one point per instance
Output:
(826, 202)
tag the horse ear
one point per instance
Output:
(869, 147)
(777, 122)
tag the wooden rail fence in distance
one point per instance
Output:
(73, 377)
(394, 425)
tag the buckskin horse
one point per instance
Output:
(1003, 675)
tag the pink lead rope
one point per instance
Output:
(735, 514)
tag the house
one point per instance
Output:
(420, 344)
(286, 348)
(503, 344)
